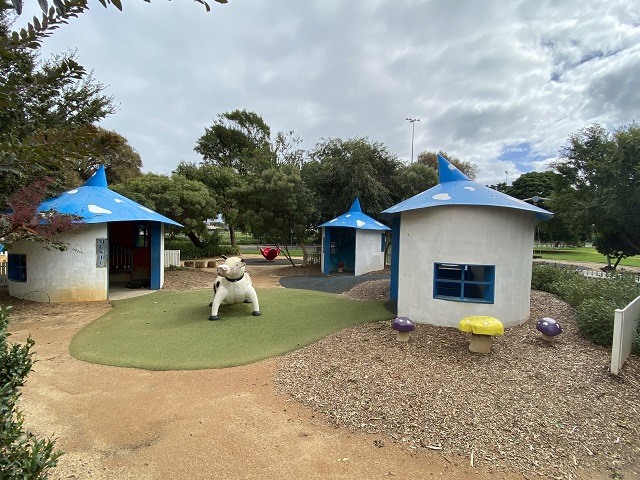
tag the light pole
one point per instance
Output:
(413, 132)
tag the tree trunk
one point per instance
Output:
(617, 262)
(195, 240)
(232, 235)
(287, 254)
(305, 255)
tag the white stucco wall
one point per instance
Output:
(69, 276)
(465, 235)
(369, 257)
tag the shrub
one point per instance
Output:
(594, 318)
(22, 454)
(212, 248)
(546, 277)
(595, 300)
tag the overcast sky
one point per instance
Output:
(498, 83)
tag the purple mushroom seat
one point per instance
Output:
(549, 328)
(403, 327)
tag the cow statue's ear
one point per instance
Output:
(223, 257)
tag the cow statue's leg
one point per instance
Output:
(252, 296)
(219, 294)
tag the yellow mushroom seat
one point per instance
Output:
(482, 328)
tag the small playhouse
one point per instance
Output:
(462, 249)
(353, 242)
(119, 242)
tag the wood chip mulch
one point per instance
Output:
(540, 409)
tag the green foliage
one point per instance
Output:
(239, 140)
(185, 201)
(341, 170)
(46, 114)
(210, 248)
(547, 277)
(276, 205)
(430, 159)
(595, 300)
(598, 187)
(22, 454)
(220, 181)
(416, 178)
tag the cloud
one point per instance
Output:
(482, 77)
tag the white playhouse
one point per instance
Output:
(119, 242)
(462, 249)
(353, 242)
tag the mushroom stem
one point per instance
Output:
(403, 336)
(549, 338)
(480, 343)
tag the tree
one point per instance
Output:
(598, 186)
(538, 188)
(220, 181)
(239, 140)
(277, 205)
(430, 159)
(46, 116)
(121, 161)
(22, 454)
(416, 178)
(286, 151)
(24, 222)
(341, 170)
(178, 198)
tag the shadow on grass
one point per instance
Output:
(171, 330)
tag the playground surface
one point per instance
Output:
(239, 422)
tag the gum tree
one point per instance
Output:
(597, 192)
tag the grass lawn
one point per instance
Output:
(582, 254)
(171, 331)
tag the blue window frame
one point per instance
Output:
(464, 283)
(383, 242)
(17, 267)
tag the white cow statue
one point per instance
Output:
(233, 285)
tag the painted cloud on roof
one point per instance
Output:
(354, 218)
(455, 188)
(95, 203)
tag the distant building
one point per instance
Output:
(354, 240)
(462, 249)
(119, 241)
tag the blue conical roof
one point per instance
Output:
(95, 203)
(455, 188)
(354, 218)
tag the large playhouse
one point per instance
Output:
(353, 242)
(119, 242)
(462, 249)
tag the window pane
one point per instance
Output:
(17, 267)
(467, 283)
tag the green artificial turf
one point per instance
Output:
(171, 331)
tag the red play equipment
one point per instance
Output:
(269, 253)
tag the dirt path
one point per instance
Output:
(119, 423)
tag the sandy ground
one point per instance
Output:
(119, 423)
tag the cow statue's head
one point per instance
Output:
(232, 268)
